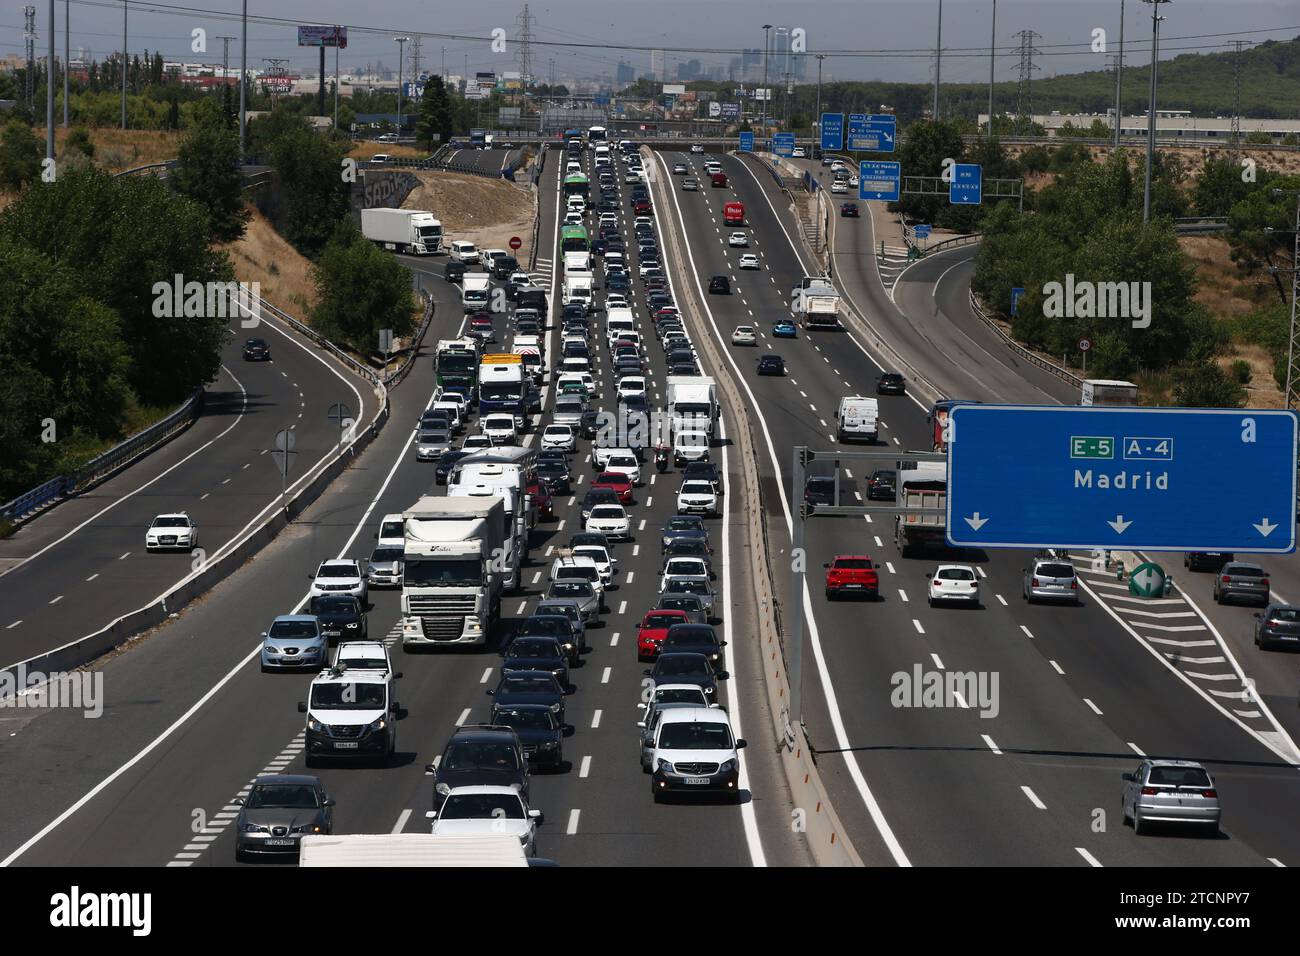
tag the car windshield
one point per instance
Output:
(524, 718)
(1179, 777)
(955, 574)
(685, 524)
(526, 647)
(479, 755)
(171, 523)
(433, 437)
(607, 511)
(348, 696)
(482, 806)
(583, 572)
(661, 620)
(337, 571)
(680, 695)
(692, 736)
(529, 685)
(697, 488)
(334, 605)
(294, 796)
(385, 555)
(292, 629)
(691, 634)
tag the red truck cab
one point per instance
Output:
(733, 214)
(852, 574)
(719, 180)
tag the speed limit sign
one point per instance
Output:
(1085, 344)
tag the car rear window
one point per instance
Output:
(853, 564)
(1289, 615)
(955, 574)
(1179, 777)
(1056, 570)
(1244, 571)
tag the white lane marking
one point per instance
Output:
(57, 599)
(1136, 749)
(1026, 630)
(1095, 709)
(917, 624)
(1056, 667)
(14, 624)
(991, 745)
(401, 820)
(1092, 860)
(595, 719)
(487, 673)
(1033, 798)
(1001, 599)
(204, 495)
(1275, 861)
(573, 822)
(903, 594)
(937, 663)
(604, 677)
(613, 639)
(585, 769)
(124, 556)
(464, 716)
(980, 571)
(889, 566)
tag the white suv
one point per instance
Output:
(341, 576)
(694, 750)
(172, 531)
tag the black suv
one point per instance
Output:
(256, 350)
(891, 383)
(539, 732)
(720, 285)
(705, 471)
(480, 755)
(341, 617)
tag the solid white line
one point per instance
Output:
(1033, 798)
(401, 820)
(1092, 860)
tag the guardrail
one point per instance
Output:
(140, 169)
(1136, 141)
(1020, 350)
(1197, 224)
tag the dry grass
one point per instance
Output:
(1263, 391)
(1219, 286)
(366, 149)
(116, 149)
(264, 256)
(486, 212)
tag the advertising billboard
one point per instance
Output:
(323, 36)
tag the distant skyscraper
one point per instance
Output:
(751, 64)
(626, 74)
(657, 64)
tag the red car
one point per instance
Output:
(849, 210)
(652, 630)
(641, 207)
(852, 574)
(542, 498)
(617, 482)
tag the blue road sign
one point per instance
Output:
(872, 134)
(746, 142)
(1016, 293)
(783, 144)
(921, 231)
(832, 131)
(1026, 476)
(967, 186)
(857, 131)
(878, 180)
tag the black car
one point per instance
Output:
(528, 327)
(504, 267)
(480, 755)
(534, 299)
(627, 364)
(550, 626)
(577, 350)
(530, 687)
(590, 423)
(881, 485)
(849, 210)
(683, 526)
(820, 490)
(719, 285)
(683, 368)
(771, 365)
(539, 652)
(891, 383)
(598, 247)
(634, 403)
(341, 617)
(705, 471)
(573, 312)
(657, 300)
(595, 539)
(694, 639)
(688, 548)
(618, 282)
(454, 271)
(556, 475)
(540, 734)
(686, 668)
(598, 496)
(1206, 560)
(256, 350)
(615, 245)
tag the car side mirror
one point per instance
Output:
(723, 675)
(536, 815)
(330, 801)
(397, 676)
(641, 723)
(722, 643)
(312, 575)
(430, 768)
(1256, 615)
(490, 692)
(430, 815)
(646, 672)
(1128, 777)
(239, 801)
(302, 707)
(264, 632)
(741, 743)
(826, 565)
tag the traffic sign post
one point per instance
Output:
(515, 243)
(746, 142)
(1026, 476)
(1084, 345)
(280, 451)
(922, 231)
(967, 186)
(879, 180)
(832, 129)
(783, 144)
(857, 129)
(1016, 293)
(343, 415)
(1147, 581)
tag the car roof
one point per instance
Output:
(484, 790)
(351, 676)
(172, 514)
(1174, 763)
(695, 715)
(287, 779)
(296, 618)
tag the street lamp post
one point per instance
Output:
(817, 147)
(766, 28)
(243, 81)
(401, 49)
(1119, 77)
(993, 40)
(1151, 110)
(1289, 393)
(938, 59)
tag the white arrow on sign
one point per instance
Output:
(976, 522)
(1265, 527)
(1119, 524)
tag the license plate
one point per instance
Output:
(697, 781)
(345, 745)
(333, 633)
(278, 842)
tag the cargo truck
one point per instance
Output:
(529, 348)
(817, 306)
(922, 485)
(1100, 391)
(475, 289)
(452, 576)
(411, 849)
(413, 231)
(509, 559)
(733, 214)
(501, 386)
(456, 363)
(692, 403)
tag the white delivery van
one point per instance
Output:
(857, 418)
(475, 289)
(462, 251)
(617, 322)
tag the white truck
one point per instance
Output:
(411, 849)
(529, 348)
(452, 578)
(816, 306)
(577, 263)
(1102, 391)
(857, 418)
(475, 289)
(923, 485)
(403, 230)
(692, 403)
(578, 288)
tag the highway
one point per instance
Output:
(489, 160)
(80, 565)
(190, 720)
(1079, 698)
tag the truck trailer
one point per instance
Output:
(412, 231)
(923, 485)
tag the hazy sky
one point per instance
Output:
(716, 28)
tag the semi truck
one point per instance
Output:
(411, 849)
(921, 484)
(507, 561)
(817, 306)
(501, 386)
(1102, 391)
(403, 230)
(456, 363)
(692, 402)
(452, 577)
(512, 467)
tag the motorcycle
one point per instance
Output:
(661, 459)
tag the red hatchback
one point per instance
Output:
(652, 630)
(852, 574)
(541, 497)
(616, 481)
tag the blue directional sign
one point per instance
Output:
(879, 180)
(832, 131)
(746, 142)
(1016, 293)
(873, 134)
(921, 231)
(1025, 476)
(857, 129)
(783, 144)
(967, 186)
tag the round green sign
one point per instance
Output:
(1147, 580)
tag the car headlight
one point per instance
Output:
(252, 828)
(551, 745)
(555, 708)
(727, 766)
(308, 828)
(442, 789)
(664, 766)
(379, 724)
(314, 724)
(352, 625)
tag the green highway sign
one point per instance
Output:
(1091, 446)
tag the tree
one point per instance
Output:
(79, 141)
(922, 153)
(20, 155)
(309, 168)
(1204, 385)
(435, 123)
(361, 289)
(1220, 187)
(207, 171)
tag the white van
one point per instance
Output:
(857, 418)
(392, 533)
(618, 322)
(690, 446)
(475, 291)
(462, 251)
(693, 750)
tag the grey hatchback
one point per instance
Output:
(1236, 579)
(279, 809)
(1050, 580)
(1170, 791)
(1278, 625)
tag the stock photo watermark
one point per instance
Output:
(23, 689)
(940, 689)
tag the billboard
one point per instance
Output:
(730, 111)
(674, 89)
(323, 36)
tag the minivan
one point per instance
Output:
(462, 251)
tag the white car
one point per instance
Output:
(697, 497)
(738, 240)
(455, 409)
(798, 153)
(573, 218)
(339, 576)
(839, 186)
(605, 563)
(748, 261)
(485, 811)
(853, 180)
(575, 365)
(632, 177)
(475, 443)
(624, 462)
(610, 520)
(744, 335)
(630, 385)
(609, 219)
(172, 531)
(499, 428)
(559, 437)
(954, 582)
(685, 568)
(838, 165)
(696, 148)
(580, 568)
(615, 300)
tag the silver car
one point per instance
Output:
(702, 589)
(1048, 579)
(294, 641)
(1170, 791)
(384, 569)
(279, 809)
(583, 592)
(1236, 579)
